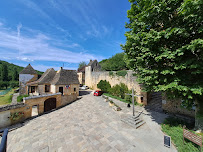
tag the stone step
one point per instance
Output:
(140, 124)
(136, 123)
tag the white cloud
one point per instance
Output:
(39, 48)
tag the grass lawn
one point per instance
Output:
(174, 128)
(7, 98)
(118, 98)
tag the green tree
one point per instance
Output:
(15, 75)
(114, 63)
(164, 46)
(81, 64)
(4, 72)
(104, 85)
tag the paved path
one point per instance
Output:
(88, 124)
(14, 99)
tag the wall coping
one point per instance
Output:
(40, 96)
(11, 106)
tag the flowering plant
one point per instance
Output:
(16, 115)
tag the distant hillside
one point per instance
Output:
(11, 67)
(115, 63)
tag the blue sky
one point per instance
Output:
(48, 33)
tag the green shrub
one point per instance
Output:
(121, 73)
(20, 98)
(119, 90)
(104, 85)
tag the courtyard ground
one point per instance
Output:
(89, 124)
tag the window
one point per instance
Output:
(47, 88)
(74, 89)
(32, 89)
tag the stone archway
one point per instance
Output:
(49, 104)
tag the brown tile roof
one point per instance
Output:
(47, 76)
(28, 70)
(65, 77)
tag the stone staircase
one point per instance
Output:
(134, 121)
(155, 102)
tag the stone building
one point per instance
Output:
(28, 74)
(93, 65)
(64, 81)
(81, 75)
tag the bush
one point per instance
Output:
(121, 73)
(104, 85)
(119, 90)
(20, 98)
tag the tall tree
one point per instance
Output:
(81, 64)
(165, 47)
(4, 72)
(15, 75)
(115, 63)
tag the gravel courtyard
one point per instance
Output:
(88, 124)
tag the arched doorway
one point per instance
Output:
(49, 104)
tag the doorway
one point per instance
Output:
(35, 110)
(49, 104)
(61, 90)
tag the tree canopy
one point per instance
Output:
(81, 64)
(165, 47)
(115, 63)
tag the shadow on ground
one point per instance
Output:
(84, 92)
(160, 116)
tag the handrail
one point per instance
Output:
(3, 144)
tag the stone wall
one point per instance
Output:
(68, 99)
(80, 77)
(174, 107)
(7, 110)
(39, 101)
(26, 107)
(93, 78)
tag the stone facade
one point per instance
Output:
(93, 78)
(174, 107)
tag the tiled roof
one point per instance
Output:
(65, 77)
(47, 76)
(28, 70)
